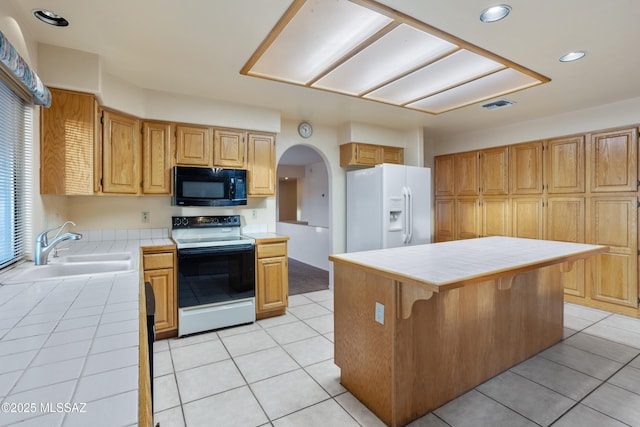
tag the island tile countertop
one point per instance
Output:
(69, 346)
(448, 265)
(265, 237)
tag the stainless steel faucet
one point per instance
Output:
(43, 246)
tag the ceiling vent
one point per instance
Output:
(496, 105)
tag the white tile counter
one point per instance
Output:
(448, 265)
(69, 346)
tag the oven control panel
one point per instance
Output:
(205, 221)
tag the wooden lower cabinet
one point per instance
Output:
(527, 217)
(495, 217)
(445, 221)
(468, 214)
(272, 277)
(566, 223)
(613, 276)
(159, 269)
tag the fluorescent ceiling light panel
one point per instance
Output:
(403, 48)
(448, 72)
(499, 83)
(367, 50)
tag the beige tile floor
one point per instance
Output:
(280, 372)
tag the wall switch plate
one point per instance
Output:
(145, 217)
(380, 313)
(254, 214)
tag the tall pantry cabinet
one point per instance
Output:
(580, 188)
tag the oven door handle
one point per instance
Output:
(235, 249)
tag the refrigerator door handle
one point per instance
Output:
(405, 206)
(409, 215)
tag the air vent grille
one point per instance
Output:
(496, 105)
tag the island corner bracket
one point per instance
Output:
(406, 296)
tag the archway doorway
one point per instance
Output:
(302, 213)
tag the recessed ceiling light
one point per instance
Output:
(573, 56)
(495, 13)
(50, 18)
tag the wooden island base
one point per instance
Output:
(449, 343)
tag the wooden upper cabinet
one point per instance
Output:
(229, 149)
(466, 174)
(121, 153)
(614, 162)
(494, 173)
(565, 165)
(359, 154)
(69, 144)
(261, 173)
(194, 146)
(444, 181)
(525, 162)
(156, 157)
(393, 155)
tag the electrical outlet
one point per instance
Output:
(254, 214)
(145, 217)
(380, 313)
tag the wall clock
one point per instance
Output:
(305, 130)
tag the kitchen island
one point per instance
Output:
(417, 326)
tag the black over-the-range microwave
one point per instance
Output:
(195, 186)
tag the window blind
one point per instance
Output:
(15, 175)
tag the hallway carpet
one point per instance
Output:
(305, 278)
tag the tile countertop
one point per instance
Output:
(69, 346)
(448, 265)
(265, 237)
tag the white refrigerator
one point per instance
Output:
(388, 206)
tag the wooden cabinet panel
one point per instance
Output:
(272, 278)
(393, 155)
(494, 171)
(194, 146)
(69, 144)
(614, 162)
(614, 275)
(273, 284)
(122, 154)
(495, 217)
(162, 282)
(229, 149)
(565, 165)
(527, 217)
(159, 269)
(468, 218)
(261, 173)
(466, 174)
(445, 220)
(525, 162)
(368, 154)
(566, 222)
(444, 174)
(156, 157)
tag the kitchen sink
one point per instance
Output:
(70, 266)
(116, 256)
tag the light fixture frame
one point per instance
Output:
(255, 66)
(574, 55)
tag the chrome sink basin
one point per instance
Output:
(70, 266)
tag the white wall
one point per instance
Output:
(307, 244)
(617, 114)
(315, 199)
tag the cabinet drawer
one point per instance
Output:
(161, 260)
(272, 250)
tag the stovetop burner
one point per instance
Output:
(205, 231)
